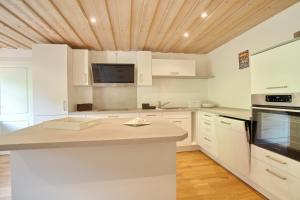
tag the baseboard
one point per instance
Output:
(193, 147)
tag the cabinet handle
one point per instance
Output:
(207, 139)
(151, 115)
(176, 121)
(207, 115)
(113, 116)
(275, 174)
(227, 123)
(276, 160)
(174, 73)
(277, 87)
(207, 123)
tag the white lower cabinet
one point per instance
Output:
(113, 115)
(206, 133)
(276, 174)
(182, 120)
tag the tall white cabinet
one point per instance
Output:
(144, 63)
(51, 68)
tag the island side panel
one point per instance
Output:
(120, 172)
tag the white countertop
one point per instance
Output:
(238, 113)
(107, 132)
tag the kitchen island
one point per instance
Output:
(107, 161)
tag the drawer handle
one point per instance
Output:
(177, 121)
(227, 123)
(113, 116)
(207, 115)
(277, 87)
(151, 115)
(276, 160)
(207, 123)
(275, 174)
(207, 139)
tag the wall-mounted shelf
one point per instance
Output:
(183, 77)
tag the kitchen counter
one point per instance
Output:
(106, 161)
(238, 113)
(107, 132)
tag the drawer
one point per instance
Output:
(151, 115)
(238, 125)
(209, 145)
(279, 183)
(275, 160)
(207, 127)
(206, 116)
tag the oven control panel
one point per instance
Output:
(279, 98)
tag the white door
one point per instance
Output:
(144, 68)
(50, 85)
(276, 70)
(81, 67)
(13, 90)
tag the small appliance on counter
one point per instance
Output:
(146, 106)
(84, 107)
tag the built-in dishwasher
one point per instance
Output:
(233, 137)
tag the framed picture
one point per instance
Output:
(244, 59)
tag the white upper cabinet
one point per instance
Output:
(13, 90)
(127, 57)
(144, 68)
(171, 67)
(81, 68)
(276, 70)
(50, 78)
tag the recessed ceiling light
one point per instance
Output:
(186, 34)
(93, 19)
(204, 15)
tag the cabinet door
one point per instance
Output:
(81, 67)
(144, 68)
(126, 57)
(276, 70)
(170, 67)
(13, 90)
(50, 85)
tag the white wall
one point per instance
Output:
(231, 86)
(177, 91)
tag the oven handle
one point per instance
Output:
(277, 109)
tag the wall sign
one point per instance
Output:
(244, 59)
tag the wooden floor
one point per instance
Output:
(198, 178)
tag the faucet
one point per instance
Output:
(161, 105)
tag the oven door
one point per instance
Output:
(277, 130)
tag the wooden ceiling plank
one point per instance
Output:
(120, 16)
(142, 16)
(26, 13)
(46, 10)
(71, 13)
(16, 35)
(165, 17)
(102, 27)
(6, 45)
(11, 41)
(271, 10)
(89, 23)
(194, 20)
(221, 13)
(244, 14)
(20, 25)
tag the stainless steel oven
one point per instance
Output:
(276, 123)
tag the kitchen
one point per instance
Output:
(237, 159)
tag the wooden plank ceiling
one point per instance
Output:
(156, 25)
